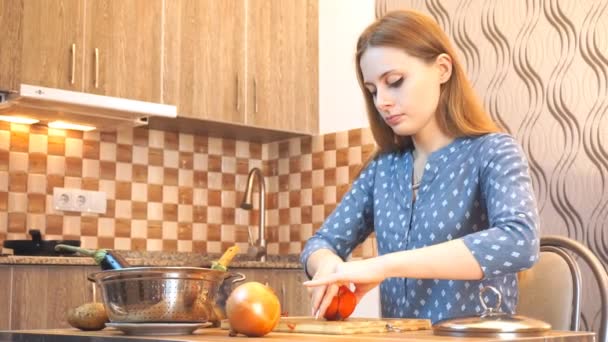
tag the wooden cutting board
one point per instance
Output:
(355, 325)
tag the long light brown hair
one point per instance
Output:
(459, 112)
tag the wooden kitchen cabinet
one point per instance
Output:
(52, 43)
(5, 296)
(283, 63)
(10, 52)
(125, 38)
(115, 51)
(38, 297)
(204, 51)
(247, 62)
(287, 284)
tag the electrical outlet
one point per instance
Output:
(62, 199)
(79, 200)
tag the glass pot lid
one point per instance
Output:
(492, 322)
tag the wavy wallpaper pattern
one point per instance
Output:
(541, 69)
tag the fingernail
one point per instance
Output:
(317, 315)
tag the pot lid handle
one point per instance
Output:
(35, 233)
(488, 311)
(491, 323)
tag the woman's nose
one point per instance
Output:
(383, 101)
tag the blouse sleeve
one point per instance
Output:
(350, 223)
(511, 243)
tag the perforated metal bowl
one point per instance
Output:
(159, 294)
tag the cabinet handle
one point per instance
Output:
(72, 77)
(255, 96)
(238, 95)
(96, 68)
(94, 288)
(283, 293)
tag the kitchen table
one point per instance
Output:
(216, 334)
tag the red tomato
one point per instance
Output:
(342, 305)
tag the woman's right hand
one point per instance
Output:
(321, 296)
(363, 274)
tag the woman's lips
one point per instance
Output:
(393, 120)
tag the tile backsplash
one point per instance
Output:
(171, 191)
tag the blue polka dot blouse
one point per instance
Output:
(475, 189)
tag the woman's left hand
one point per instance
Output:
(364, 274)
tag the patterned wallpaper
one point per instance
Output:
(171, 191)
(541, 68)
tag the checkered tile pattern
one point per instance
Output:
(312, 176)
(171, 191)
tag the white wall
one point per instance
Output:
(341, 105)
(369, 306)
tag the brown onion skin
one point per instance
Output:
(253, 309)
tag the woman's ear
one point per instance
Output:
(444, 63)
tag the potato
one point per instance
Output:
(88, 316)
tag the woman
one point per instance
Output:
(448, 196)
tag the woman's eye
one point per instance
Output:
(397, 83)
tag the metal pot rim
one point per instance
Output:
(165, 272)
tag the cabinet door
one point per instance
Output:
(204, 46)
(42, 295)
(68, 288)
(10, 53)
(296, 301)
(28, 308)
(283, 63)
(6, 274)
(52, 43)
(123, 48)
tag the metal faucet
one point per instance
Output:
(259, 251)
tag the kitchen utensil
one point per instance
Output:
(38, 247)
(157, 329)
(491, 323)
(353, 325)
(159, 294)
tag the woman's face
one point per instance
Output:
(405, 89)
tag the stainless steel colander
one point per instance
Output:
(159, 294)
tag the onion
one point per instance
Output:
(253, 309)
(342, 305)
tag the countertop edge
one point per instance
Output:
(172, 260)
(215, 334)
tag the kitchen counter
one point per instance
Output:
(36, 292)
(143, 258)
(215, 334)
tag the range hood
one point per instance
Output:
(104, 112)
